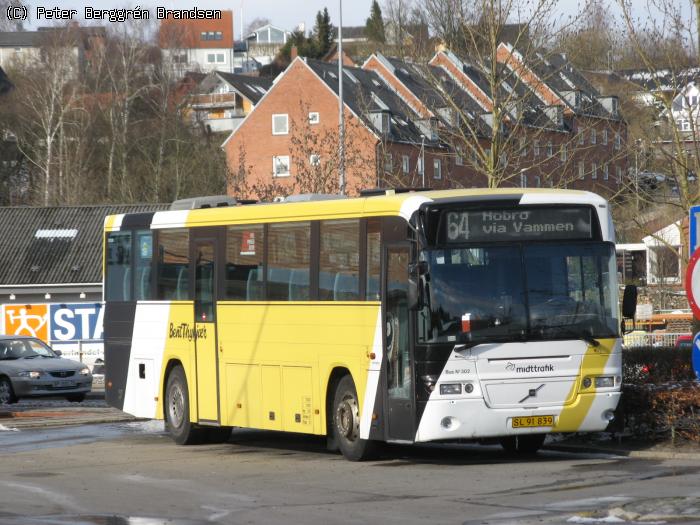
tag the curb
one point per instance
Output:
(641, 454)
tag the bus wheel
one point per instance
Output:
(346, 423)
(177, 410)
(523, 445)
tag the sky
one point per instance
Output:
(283, 13)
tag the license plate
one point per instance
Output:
(533, 421)
(64, 384)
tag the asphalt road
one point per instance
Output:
(132, 473)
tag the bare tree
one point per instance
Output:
(668, 144)
(48, 104)
(513, 128)
(315, 159)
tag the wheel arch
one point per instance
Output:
(337, 373)
(172, 363)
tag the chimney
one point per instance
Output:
(294, 52)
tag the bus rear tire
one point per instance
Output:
(524, 445)
(177, 410)
(346, 423)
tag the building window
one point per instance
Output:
(315, 159)
(538, 181)
(405, 164)
(523, 147)
(280, 166)
(581, 138)
(459, 158)
(581, 170)
(618, 142)
(550, 149)
(388, 163)
(280, 124)
(220, 59)
(523, 180)
(594, 171)
(562, 153)
(219, 35)
(605, 137)
(618, 174)
(419, 166)
(203, 35)
(593, 136)
(314, 117)
(605, 172)
(536, 148)
(211, 58)
(437, 169)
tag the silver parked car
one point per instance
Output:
(30, 368)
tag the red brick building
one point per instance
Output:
(433, 125)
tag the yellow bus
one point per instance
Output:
(396, 317)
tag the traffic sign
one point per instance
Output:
(692, 283)
(694, 228)
(696, 355)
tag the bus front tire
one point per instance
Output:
(346, 423)
(524, 445)
(177, 410)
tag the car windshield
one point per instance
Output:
(24, 349)
(519, 292)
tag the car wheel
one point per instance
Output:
(177, 410)
(346, 423)
(76, 398)
(524, 445)
(7, 394)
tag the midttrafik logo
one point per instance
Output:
(512, 367)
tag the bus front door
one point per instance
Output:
(399, 369)
(205, 262)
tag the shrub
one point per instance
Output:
(660, 396)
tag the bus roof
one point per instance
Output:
(398, 204)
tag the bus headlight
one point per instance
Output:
(450, 389)
(587, 382)
(468, 388)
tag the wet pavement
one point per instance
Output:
(130, 472)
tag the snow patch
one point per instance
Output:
(584, 519)
(152, 426)
(3, 428)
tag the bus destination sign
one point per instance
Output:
(518, 224)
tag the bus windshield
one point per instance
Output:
(519, 292)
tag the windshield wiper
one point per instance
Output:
(583, 336)
(31, 356)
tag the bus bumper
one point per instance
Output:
(473, 419)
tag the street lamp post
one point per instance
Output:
(341, 116)
(422, 159)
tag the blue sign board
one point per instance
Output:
(696, 355)
(694, 229)
(73, 322)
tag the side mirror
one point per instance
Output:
(58, 353)
(415, 271)
(629, 301)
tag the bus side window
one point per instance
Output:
(118, 282)
(173, 263)
(373, 259)
(244, 263)
(143, 261)
(289, 260)
(339, 263)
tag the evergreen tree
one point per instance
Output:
(323, 32)
(374, 27)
